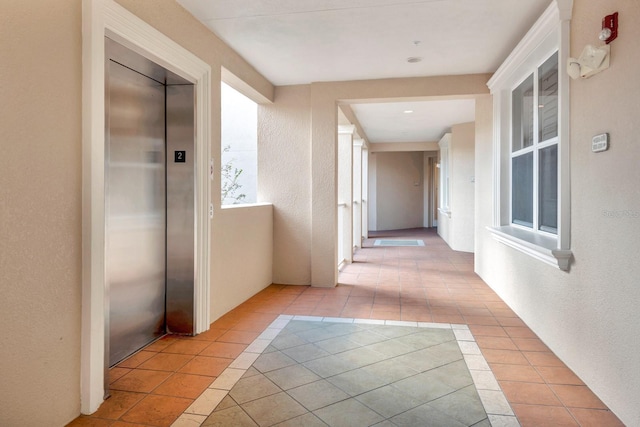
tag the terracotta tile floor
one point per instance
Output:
(427, 284)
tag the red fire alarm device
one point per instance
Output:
(609, 28)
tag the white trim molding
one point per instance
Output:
(102, 18)
(549, 34)
(346, 129)
(537, 246)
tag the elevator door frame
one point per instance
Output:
(174, 249)
(106, 18)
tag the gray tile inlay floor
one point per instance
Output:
(355, 374)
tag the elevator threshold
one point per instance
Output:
(134, 358)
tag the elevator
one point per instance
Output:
(149, 202)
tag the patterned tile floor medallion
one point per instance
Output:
(315, 371)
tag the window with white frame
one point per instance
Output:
(531, 142)
(534, 149)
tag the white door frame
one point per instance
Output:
(102, 18)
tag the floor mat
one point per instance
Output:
(381, 242)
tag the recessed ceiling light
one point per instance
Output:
(408, 111)
(414, 59)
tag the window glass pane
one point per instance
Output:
(548, 189)
(522, 105)
(522, 190)
(548, 99)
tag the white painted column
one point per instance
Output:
(426, 185)
(372, 201)
(357, 193)
(345, 194)
(324, 187)
(365, 192)
(444, 190)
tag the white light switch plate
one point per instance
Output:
(600, 143)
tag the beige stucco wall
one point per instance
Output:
(587, 316)
(462, 154)
(40, 190)
(399, 200)
(242, 255)
(40, 212)
(284, 179)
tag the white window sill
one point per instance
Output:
(446, 212)
(246, 205)
(543, 248)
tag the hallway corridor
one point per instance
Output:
(422, 284)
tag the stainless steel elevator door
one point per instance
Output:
(135, 211)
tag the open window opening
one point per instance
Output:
(239, 147)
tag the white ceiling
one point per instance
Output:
(304, 41)
(418, 121)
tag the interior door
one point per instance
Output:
(135, 210)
